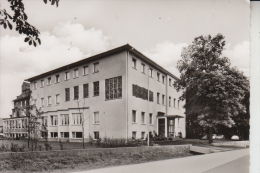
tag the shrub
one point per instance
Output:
(14, 147)
(4, 148)
(47, 146)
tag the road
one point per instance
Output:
(225, 162)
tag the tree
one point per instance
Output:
(84, 118)
(20, 19)
(213, 90)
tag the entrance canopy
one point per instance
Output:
(162, 115)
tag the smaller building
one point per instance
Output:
(15, 126)
(1, 127)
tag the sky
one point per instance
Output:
(77, 29)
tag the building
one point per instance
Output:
(119, 93)
(1, 127)
(15, 126)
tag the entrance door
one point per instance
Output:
(161, 127)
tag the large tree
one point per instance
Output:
(19, 18)
(213, 90)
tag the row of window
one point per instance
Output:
(12, 124)
(134, 135)
(22, 103)
(141, 92)
(170, 101)
(160, 77)
(143, 117)
(113, 90)
(85, 71)
(74, 135)
(64, 119)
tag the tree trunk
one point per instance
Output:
(210, 135)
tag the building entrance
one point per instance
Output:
(161, 127)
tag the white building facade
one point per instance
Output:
(119, 93)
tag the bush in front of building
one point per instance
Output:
(12, 148)
(107, 142)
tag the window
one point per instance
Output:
(150, 96)
(163, 99)
(54, 120)
(163, 79)
(76, 118)
(170, 104)
(34, 85)
(113, 88)
(150, 119)
(143, 68)
(96, 118)
(54, 134)
(64, 119)
(57, 99)
(170, 82)
(96, 88)
(42, 83)
(76, 134)
(49, 100)
(85, 70)
(96, 135)
(67, 75)
(134, 117)
(49, 81)
(64, 134)
(133, 135)
(143, 118)
(158, 76)
(158, 98)
(76, 73)
(67, 94)
(140, 92)
(42, 102)
(178, 104)
(142, 135)
(45, 121)
(174, 100)
(150, 72)
(57, 78)
(96, 67)
(85, 91)
(134, 63)
(76, 92)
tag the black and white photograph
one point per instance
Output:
(128, 86)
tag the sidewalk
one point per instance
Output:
(230, 161)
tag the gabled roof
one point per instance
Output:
(126, 47)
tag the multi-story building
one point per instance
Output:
(15, 126)
(119, 93)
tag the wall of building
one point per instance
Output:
(138, 77)
(15, 127)
(111, 112)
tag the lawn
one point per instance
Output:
(47, 163)
(55, 145)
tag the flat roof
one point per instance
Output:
(126, 47)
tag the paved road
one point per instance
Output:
(229, 161)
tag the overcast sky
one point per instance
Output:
(78, 29)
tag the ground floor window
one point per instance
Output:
(133, 135)
(142, 135)
(96, 135)
(64, 134)
(54, 134)
(44, 134)
(76, 134)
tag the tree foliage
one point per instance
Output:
(20, 19)
(213, 90)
